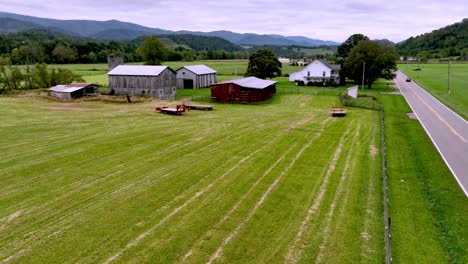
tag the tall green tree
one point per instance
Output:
(264, 64)
(380, 61)
(31, 53)
(152, 51)
(342, 53)
(344, 49)
(64, 54)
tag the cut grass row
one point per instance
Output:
(103, 180)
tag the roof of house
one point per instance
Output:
(199, 69)
(137, 70)
(251, 82)
(329, 65)
(70, 87)
(324, 62)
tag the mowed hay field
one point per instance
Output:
(434, 79)
(89, 182)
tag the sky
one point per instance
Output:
(334, 20)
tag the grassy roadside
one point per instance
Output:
(434, 79)
(429, 211)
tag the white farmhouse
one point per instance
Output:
(318, 71)
(284, 60)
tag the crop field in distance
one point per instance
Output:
(277, 182)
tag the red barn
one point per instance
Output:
(245, 90)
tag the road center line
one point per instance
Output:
(454, 131)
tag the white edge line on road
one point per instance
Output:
(437, 100)
(433, 141)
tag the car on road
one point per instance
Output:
(408, 80)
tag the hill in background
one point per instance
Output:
(450, 41)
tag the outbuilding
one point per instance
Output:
(195, 76)
(74, 90)
(244, 90)
(156, 81)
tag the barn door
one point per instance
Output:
(188, 84)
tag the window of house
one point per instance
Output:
(308, 73)
(323, 73)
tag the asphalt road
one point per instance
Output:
(447, 130)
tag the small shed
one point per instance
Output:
(157, 81)
(244, 90)
(195, 76)
(74, 90)
(353, 91)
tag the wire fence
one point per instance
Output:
(309, 90)
(365, 102)
(387, 219)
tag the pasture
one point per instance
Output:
(228, 69)
(434, 79)
(271, 183)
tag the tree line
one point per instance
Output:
(43, 46)
(364, 61)
(450, 41)
(17, 78)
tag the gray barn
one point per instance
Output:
(157, 81)
(195, 76)
(74, 90)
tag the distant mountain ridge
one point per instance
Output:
(118, 30)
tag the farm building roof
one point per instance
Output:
(251, 82)
(70, 87)
(199, 69)
(137, 70)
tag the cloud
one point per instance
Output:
(330, 20)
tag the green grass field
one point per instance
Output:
(269, 183)
(226, 70)
(428, 210)
(88, 181)
(434, 78)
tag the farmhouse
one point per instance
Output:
(244, 90)
(157, 81)
(318, 71)
(195, 76)
(73, 90)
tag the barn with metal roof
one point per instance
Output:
(141, 80)
(73, 90)
(195, 76)
(244, 90)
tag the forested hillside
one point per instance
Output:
(37, 46)
(450, 41)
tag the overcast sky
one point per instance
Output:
(321, 19)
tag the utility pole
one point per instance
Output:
(448, 80)
(363, 71)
